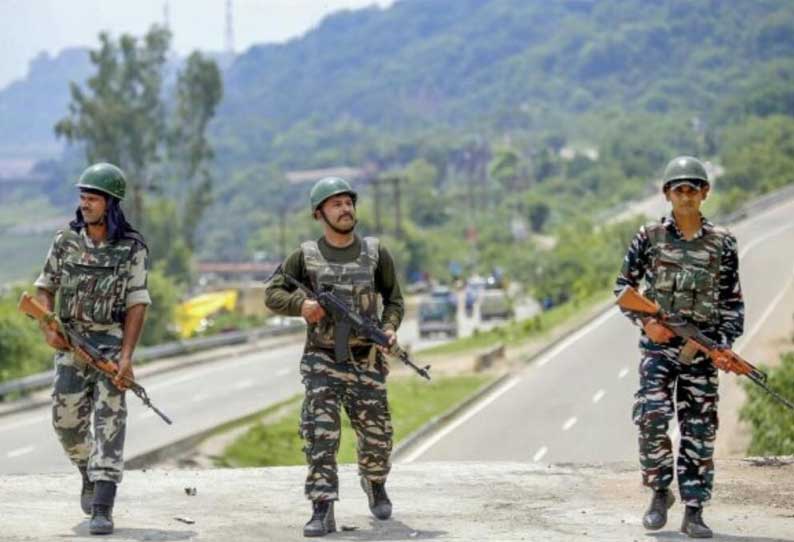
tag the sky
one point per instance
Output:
(28, 27)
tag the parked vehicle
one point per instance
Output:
(473, 289)
(495, 304)
(437, 316)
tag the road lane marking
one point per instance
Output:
(27, 421)
(565, 343)
(540, 453)
(757, 241)
(200, 397)
(767, 313)
(283, 372)
(20, 451)
(433, 440)
(146, 414)
(570, 422)
(243, 384)
(598, 396)
(623, 372)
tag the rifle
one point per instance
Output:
(347, 320)
(83, 349)
(632, 301)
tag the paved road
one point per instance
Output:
(574, 403)
(197, 399)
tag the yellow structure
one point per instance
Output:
(191, 315)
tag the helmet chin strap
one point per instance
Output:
(337, 230)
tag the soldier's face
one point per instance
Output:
(93, 207)
(340, 213)
(686, 199)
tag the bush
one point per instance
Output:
(772, 423)
(159, 325)
(22, 347)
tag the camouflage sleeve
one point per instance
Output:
(283, 298)
(731, 303)
(389, 288)
(137, 292)
(635, 264)
(50, 277)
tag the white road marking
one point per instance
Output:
(20, 451)
(243, 384)
(570, 422)
(540, 453)
(27, 421)
(200, 397)
(283, 372)
(598, 395)
(623, 372)
(548, 356)
(755, 242)
(148, 413)
(767, 313)
(473, 411)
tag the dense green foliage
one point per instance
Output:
(772, 423)
(22, 347)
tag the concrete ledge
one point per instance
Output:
(438, 501)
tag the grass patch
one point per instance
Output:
(519, 331)
(274, 440)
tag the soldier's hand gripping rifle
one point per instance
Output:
(83, 349)
(632, 301)
(347, 320)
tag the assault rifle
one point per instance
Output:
(83, 349)
(347, 320)
(632, 301)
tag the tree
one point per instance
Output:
(119, 118)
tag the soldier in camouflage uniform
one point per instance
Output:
(359, 271)
(95, 279)
(690, 267)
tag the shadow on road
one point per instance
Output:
(386, 530)
(718, 537)
(155, 535)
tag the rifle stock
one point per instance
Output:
(82, 349)
(631, 300)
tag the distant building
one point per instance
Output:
(311, 175)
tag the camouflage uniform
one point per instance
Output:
(358, 274)
(698, 279)
(93, 286)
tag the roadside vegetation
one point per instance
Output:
(413, 402)
(772, 423)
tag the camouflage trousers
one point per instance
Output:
(359, 387)
(79, 392)
(668, 386)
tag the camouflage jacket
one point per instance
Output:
(94, 284)
(727, 315)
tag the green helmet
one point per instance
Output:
(104, 177)
(685, 168)
(328, 187)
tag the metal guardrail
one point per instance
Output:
(167, 350)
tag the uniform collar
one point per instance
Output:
(87, 239)
(669, 222)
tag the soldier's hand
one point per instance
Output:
(392, 341)
(657, 332)
(725, 361)
(124, 370)
(55, 339)
(311, 311)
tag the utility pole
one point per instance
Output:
(378, 223)
(282, 231)
(398, 229)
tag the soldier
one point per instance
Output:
(95, 277)
(690, 267)
(357, 270)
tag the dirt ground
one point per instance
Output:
(432, 501)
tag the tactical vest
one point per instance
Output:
(93, 284)
(353, 282)
(686, 273)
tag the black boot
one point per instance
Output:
(87, 492)
(693, 525)
(656, 515)
(102, 508)
(379, 503)
(322, 521)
